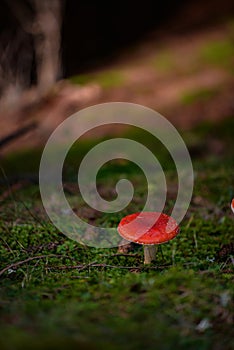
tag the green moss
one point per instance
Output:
(164, 62)
(198, 95)
(52, 296)
(219, 53)
(106, 79)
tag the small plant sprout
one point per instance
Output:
(148, 229)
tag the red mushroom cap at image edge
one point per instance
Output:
(148, 228)
(232, 205)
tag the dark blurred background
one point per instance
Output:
(92, 33)
(59, 56)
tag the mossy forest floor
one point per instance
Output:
(56, 293)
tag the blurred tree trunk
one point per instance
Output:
(47, 42)
(39, 21)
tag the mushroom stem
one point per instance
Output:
(149, 253)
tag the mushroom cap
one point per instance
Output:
(232, 205)
(148, 228)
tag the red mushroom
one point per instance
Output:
(148, 228)
(232, 205)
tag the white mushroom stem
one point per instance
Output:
(149, 253)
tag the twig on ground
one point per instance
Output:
(18, 263)
(82, 267)
(103, 265)
(79, 267)
(16, 134)
(122, 254)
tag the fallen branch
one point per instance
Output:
(122, 254)
(18, 263)
(103, 265)
(81, 266)
(16, 134)
(95, 264)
